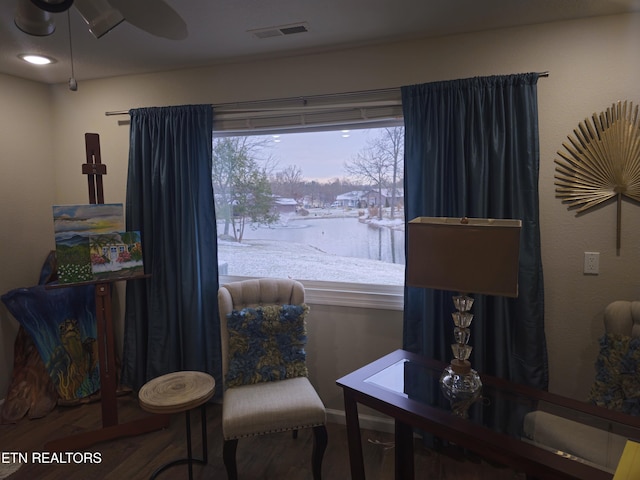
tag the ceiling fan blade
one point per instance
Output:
(99, 15)
(153, 16)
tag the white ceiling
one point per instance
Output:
(219, 30)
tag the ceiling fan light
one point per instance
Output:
(99, 15)
(54, 6)
(36, 59)
(32, 20)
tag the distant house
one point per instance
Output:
(285, 205)
(384, 197)
(353, 199)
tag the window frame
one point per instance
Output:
(359, 295)
(358, 110)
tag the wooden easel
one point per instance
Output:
(111, 429)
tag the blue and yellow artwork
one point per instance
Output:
(61, 322)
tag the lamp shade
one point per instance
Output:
(464, 255)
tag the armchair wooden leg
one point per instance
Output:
(229, 457)
(320, 438)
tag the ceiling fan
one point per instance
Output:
(36, 17)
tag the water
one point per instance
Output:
(339, 236)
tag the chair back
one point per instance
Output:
(251, 294)
(623, 317)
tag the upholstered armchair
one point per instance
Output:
(622, 317)
(263, 400)
(616, 387)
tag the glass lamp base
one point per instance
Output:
(460, 388)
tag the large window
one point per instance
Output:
(321, 206)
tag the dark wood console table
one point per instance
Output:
(406, 387)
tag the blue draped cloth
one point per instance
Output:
(171, 320)
(471, 149)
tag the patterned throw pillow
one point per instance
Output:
(266, 344)
(617, 384)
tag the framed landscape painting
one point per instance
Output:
(73, 226)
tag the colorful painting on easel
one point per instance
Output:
(73, 225)
(116, 255)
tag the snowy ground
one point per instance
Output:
(265, 258)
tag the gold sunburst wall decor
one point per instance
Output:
(601, 161)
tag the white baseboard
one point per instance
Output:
(369, 422)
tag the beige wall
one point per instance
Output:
(592, 63)
(26, 195)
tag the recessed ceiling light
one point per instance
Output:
(37, 59)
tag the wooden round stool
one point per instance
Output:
(180, 392)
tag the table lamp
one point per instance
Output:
(468, 255)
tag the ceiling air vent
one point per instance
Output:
(280, 31)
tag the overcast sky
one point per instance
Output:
(319, 155)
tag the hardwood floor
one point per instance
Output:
(272, 457)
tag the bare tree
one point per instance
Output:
(288, 182)
(391, 145)
(380, 164)
(371, 167)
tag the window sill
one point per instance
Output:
(358, 295)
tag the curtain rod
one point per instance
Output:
(284, 99)
(272, 100)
